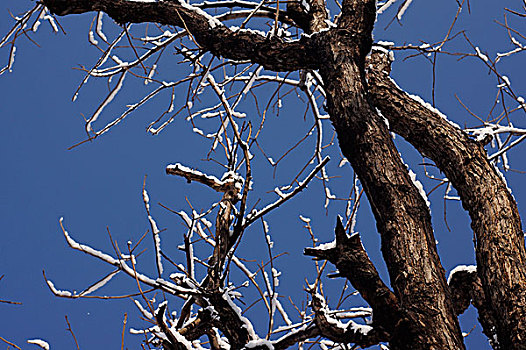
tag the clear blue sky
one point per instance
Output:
(98, 185)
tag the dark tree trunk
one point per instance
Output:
(402, 217)
(499, 239)
(427, 311)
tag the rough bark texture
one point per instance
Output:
(352, 262)
(499, 239)
(466, 288)
(402, 217)
(427, 317)
(273, 53)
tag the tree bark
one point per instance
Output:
(272, 53)
(402, 217)
(499, 238)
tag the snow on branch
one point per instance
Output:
(19, 29)
(335, 330)
(39, 342)
(208, 31)
(228, 180)
(155, 230)
(254, 215)
(460, 269)
(401, 10)
(120, 263)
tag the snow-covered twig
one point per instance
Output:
(250, 218)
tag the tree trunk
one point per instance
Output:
(428, 319)
(402, 216)
(499, 239)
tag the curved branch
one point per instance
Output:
(296, 336)
(499, 245)
(272, 53)
(402, 217)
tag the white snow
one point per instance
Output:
(157, 240)
(212, 21)
(106, 101)
(343, 162)
(259, 343)
(419, 186)
(279, 193)
(150, 76)
(251, 80)
(188, 221)
(467, 268)
(503, 178)
(433, 109)
(403, 9)
(305, 5)
(385, 43)
(243, 319)
(159, 282)
(52, 23)
(269, 241)
(12, 59)
(146, 199)
(385, 6)
(195, 172)
(62, 293)
(275, 276)
(326, 246)
(91, 38)
(101, 283)
(37, 22)
(360, 328)
(305, 219)
(155, 230)
(481, 55)
(328, 195)
(98, 27)
(385, 51)
(182, 340)
(363, 329)
(386, 122)
(266, 228)
(283, 313)
(143, 311)
(206, 222)
(43, 344)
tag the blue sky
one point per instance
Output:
(98, 184)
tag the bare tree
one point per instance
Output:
(298, 49)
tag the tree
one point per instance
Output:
(333, 63)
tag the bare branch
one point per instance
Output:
(208, 31)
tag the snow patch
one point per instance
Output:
(467, 268)
(43, 344)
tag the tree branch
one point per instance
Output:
(351, 332)
(402, 217)
(466, 288)
(352, 262)
(272, 53)
(499, 245)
